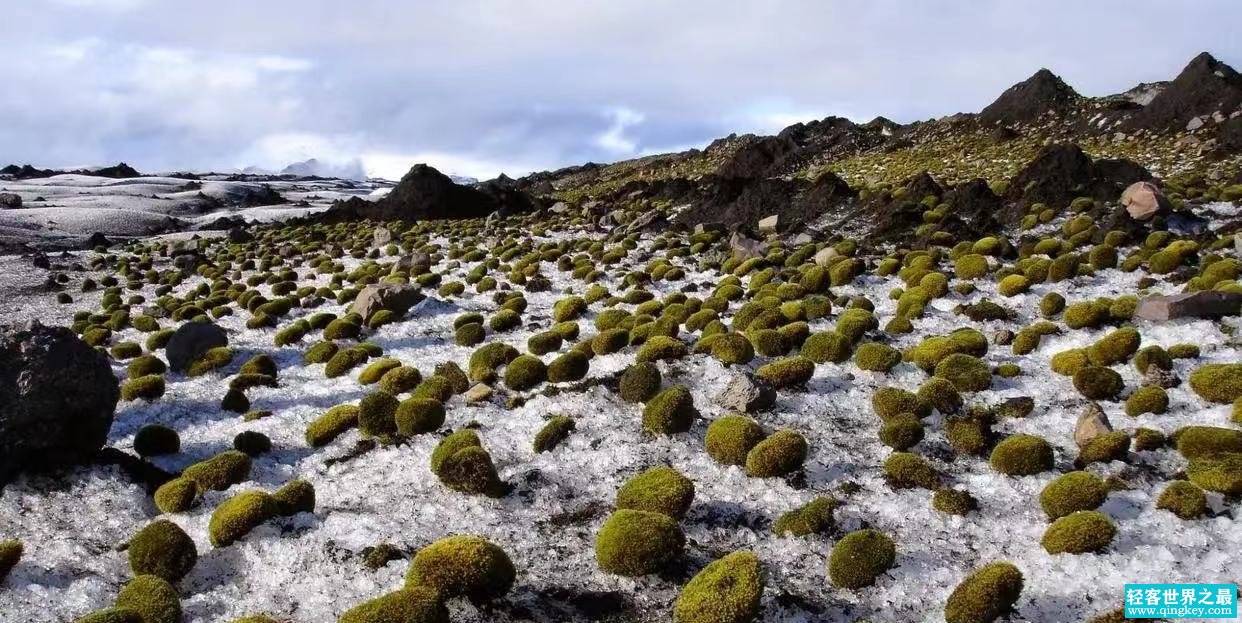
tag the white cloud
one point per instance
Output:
(614, 139)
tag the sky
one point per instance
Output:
(481, 87)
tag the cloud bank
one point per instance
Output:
(480, 87)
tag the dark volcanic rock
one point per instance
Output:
(426, 194)
(975, 210)
(1059, 173)
(1204, 87)
(191, 340)
(10, 201)
(1024, 102)
(57, 398)
(742, 203)
(759, 157)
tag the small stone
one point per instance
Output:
(1017, 407)
(824, 256)
(395, 297)
(381, 237)
(768, 224)
(1091, 424)
(478, 393)
(1201, 304)
(747, 394)
(744, 247)
(1158, 377)
(1004, 337)
(702, 228)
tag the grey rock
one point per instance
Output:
(746, 393)
(1003, 337)
(560, 207)
(768, 224)
(744, 247)
(1202, 304)
(381, 237)
(824, 256)
(1156, 376)
(190, 341)
(1016, 407)
(395, 297)
(706, 227)
(10, 201)
(647, 222)
(239, 235)
(57, 399)
(478, 393)
(1091, 424)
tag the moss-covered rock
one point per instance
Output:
(149, 387)
(1072, 492)
(1021, 455)
(901, 432)
(635, 543)
(1098, 382)
(814, 517)
(112, 615)
(1149, 399)
(296, 496)
(220, 471)
(1221, 473)
(731, 437)
(1116, 347)
(237, 516)
(860, 557)
(640, 382)
(525, 372)
(1218, 382)
(417, 604)
(893, 401)
(787, 372)
(876, 357)
(416, 416)
(954, 502)
(1079, 533)
(827, 346)
(967, 372)
(462, 464)
(1114, 446)
(462, 565)
(658, 490)
(152, 597)
(985, 595)
(156, 440)
(400, 379)
(670, 412)
(555, 431)
(781, 453)
(212, 359)
(332, 424)
(725, 591)
(10, 555)
(1183, 499)
(377, 414)
(941, 394)
(177, 495)
(1195, 442)
(163, 549)
(732, 348)
(905, 470)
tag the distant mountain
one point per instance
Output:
(1041, 94)
(351, 170)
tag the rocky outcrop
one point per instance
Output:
(395, 297)
(426, 194)
(57, 399)
(1026, 101)
(190, 341)
(1060, 173)
(742, 203)
(1205, 87)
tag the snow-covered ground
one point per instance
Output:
(309, 568)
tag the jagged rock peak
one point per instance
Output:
(1204, 88)
(1026, 101)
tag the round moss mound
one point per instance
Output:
(731, 437)
(409, 605)
(732, 348)
(658, 490)
(10, 555)
(220, 471)
(1072, 492)
(967, 372)
(905, 470)
(416, 416)
(787, 372)
(660, 347)
(640, 382)
(781, 453)
(465, 566)
(252, 443)
(297, 496)
(1221, 473)
(1021, 455)
(860, 557)
(569, 367)
(400, 380)
(525, 372)
(149, 387)
(1098, 382)
(1079, 533)
(1218, 382)
(670, 412)
(1149, 399)
(152, 597)
(176, 496)
(462, 464)
(553, 433)
(635, 543)
(827, 346)
(377, 414)
(237, 516)
(112, 615)
(1114, 446)
(985, 595)
(814, 517)
(875, 357)
(954, 502)
(901, 432)
(941, 394)
(1195, 442)
(162, 549)
(156, 440)
(1116, 347)
(331, 424)
(890, 402)
(1183, 499)
(725, 591)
